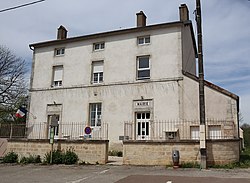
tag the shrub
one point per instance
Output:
(119, 154)
(31, 159)
(115, 153)
(11, 157)
(59, 157)
(70, 157)
(23, 160)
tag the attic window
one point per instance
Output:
(59, 51)
(143, 40)
(98, 46)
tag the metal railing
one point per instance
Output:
(11, 130)
(179, 130)
(41, 130)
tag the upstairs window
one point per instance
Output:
(143, 40)
(97, 72)
(95, 114)
(59, 51)
(98, 46)
(143, 68)
(57, 76)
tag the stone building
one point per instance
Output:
(140, 76)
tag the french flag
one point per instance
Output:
(21, 112)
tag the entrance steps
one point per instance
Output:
(115, 160)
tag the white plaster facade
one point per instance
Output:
(172, 93)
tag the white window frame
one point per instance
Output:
(59, 52)
(97, 72)
(142, 69)
(194, 132)
(96, 110)
(144, 40)
(214, 132)
(99, 46)
(143, 125)
(57, 77)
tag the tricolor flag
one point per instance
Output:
(21, 112)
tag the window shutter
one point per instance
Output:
(58, 72)
(98, 67)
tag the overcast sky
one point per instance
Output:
(226, 31)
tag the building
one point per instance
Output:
(122, 82)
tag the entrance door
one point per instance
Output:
(56, 126)
(143, 125)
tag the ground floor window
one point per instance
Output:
(214, 132)
(195, 132)
(95, 114)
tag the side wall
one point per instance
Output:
(188, 52)
(217, 104)
(88, 151)
(160, 153)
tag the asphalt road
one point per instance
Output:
(119, 174)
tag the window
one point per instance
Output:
(57, 76)
(97, 69)
(143, 67)
(59, 51)
(143, 40)
(95, 114)
(98, 46)
(214, 132)
(195, 132)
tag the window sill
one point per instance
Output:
(145, 44)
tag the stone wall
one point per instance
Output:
(91, 151)
(223, 151)
(160, 153)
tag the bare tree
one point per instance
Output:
(12, 80)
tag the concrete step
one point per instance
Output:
(115, 160)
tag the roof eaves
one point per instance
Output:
(104, 34)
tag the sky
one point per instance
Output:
(225, 25)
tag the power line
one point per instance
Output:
(20, 6)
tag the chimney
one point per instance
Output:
(184, 13)
(141, 19)
(61, 32)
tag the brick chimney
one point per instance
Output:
(61, 32)
(141, 19)
(184, 13)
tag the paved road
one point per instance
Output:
(119, 174)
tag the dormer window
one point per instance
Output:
(98, 46)
(59, 51)
(143, 40)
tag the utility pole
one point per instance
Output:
(203, 150)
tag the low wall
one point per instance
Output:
(160, 153)
(90, 151)
(223, 151)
